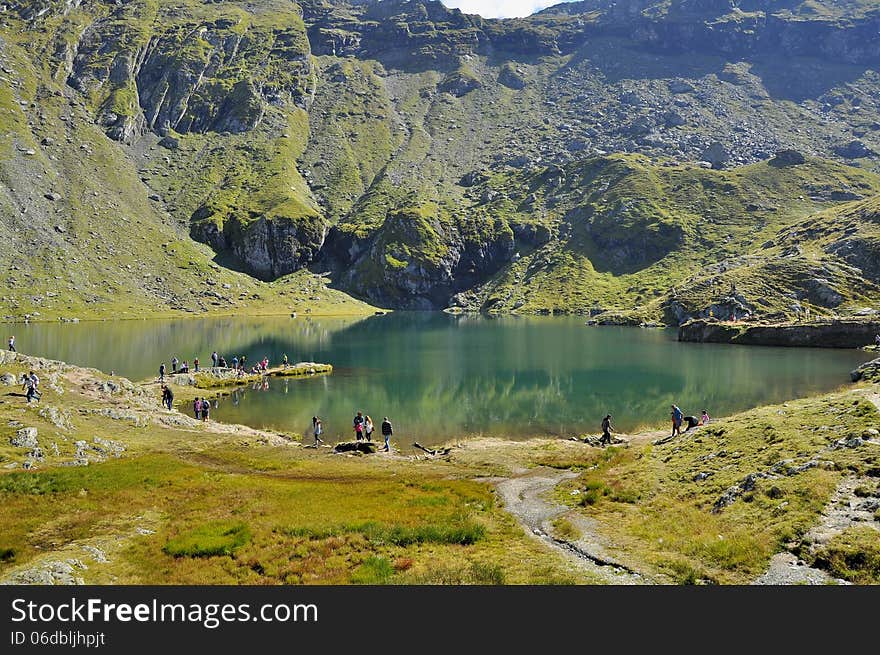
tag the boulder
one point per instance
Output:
(680, 86)
(855, 149)
(868, 371)
(366, 447)
(25, 438)
(784, 158)
(170, 142)
(716, 154)
(511, 78)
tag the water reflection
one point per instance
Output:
(439, 376)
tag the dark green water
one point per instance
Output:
(439, 376)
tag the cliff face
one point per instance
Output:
(836, 334)
(429, 158)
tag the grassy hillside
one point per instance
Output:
(425, 158)
(88, 225)
(666, 241)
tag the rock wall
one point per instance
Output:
(835, 334)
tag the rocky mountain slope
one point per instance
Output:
(636, 160)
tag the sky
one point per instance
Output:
(500, 8)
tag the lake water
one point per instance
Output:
(439, 377)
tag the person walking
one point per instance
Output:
(368, 428)
(317, 430)
(387, 431)
(167, 397)
(607, 429)
(12, 343)
(677, 417)
(162, 372)
(358, 425)
(31, 384)
(197, 408)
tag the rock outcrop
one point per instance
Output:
(833, 334)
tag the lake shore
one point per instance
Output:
(109, 469)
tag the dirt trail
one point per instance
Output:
(526, 497)
(845, 509)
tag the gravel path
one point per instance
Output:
(526, 497)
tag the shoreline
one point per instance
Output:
(189, 316)
(574, 506)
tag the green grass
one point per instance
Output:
(853, 555)
(374, 570)
(462, 532)
(218, 538)
(653, 506)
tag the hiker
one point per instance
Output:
(31, 383)
(692, 422)
(167, 396)
(368, 428)
(174, 363)
(358, 425)
(284, 361)
(215, 358)
(676, 420)
(162, 372)
(704, 419)
(185, 367)
(12, 343)
(318, 430)
(607, 429)
(387, 432)
(222, 362)
(235, 362)
(206, 409)
(197, 408)
(196, 364)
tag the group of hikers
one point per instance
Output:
(678, 418)
(363, 429)
(239, 364)
(201, 406)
